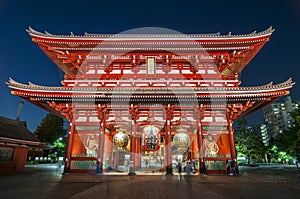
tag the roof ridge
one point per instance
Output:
(267, 31)
(11, 120)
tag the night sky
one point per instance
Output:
(24, 61)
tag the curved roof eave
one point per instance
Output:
(214, 36)
(92, 90)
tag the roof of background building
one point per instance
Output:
(14, 129)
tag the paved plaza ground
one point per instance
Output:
(253, 182)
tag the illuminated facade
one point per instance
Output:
(141, 102)
(277, 116)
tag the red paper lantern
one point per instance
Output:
(151, 138)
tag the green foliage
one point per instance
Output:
(289, 141)
(297, 148)
(247, 143)
(50, 129)
(278, 156)
(53, 156)
(59, 147)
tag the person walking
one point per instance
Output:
(188, 170)
(204, 169)
(233, 167)
(227, 167)
(179, 170)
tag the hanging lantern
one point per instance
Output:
(181, 140)
(151, 138)
(121, 140)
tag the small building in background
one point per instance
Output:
(18, 144)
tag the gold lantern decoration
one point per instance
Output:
(181, 140)
(127, 148)
(121, 140)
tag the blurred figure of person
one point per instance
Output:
(204, 168)
(227, 167)
(179, 169)
(188, 170)
(193, 166)
(233, 167)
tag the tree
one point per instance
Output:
(59, 147)
(297, 148)
(50, 129)
(289, 140)
(247, 143)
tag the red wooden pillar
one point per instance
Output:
(137, 162)
(69, 147)
(231, 140)
(109, 150)
(194, 146)
(168, 148)
(101, 148)
(200, 146)
(132, 148)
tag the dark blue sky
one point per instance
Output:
(22, 60)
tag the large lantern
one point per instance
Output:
(151, 138)
(181, 140)
(121, 140)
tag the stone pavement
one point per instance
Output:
(47, 182)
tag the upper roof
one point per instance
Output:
(231, 51)
(159, 36)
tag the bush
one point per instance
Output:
(53, 156)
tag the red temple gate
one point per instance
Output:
(141, 102)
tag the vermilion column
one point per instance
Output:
(69, 148)
(168, 149)
(200, 150)
(132, 148)
(137, 160)
(109, 150)
(194, 146)
(231, 140)
(101, 148)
